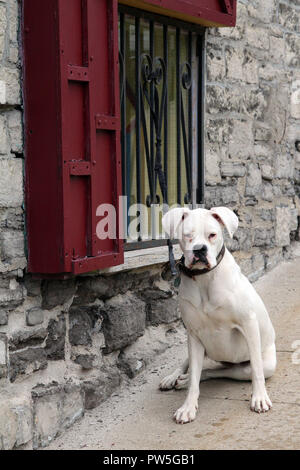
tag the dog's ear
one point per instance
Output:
(171, 221)
(227, 218)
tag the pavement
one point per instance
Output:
(139, 416)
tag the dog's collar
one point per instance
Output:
(197, 272)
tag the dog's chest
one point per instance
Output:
(204, 308)
(203, 296)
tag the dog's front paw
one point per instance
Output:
(186, 413)
(168, 382)
(260, 402)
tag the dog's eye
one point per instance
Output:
(188, 236)
(212, 236)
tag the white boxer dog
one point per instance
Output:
(226, 320)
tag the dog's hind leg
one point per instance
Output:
(169, 382)
(208, 364)
(243, 371)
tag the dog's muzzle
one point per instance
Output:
(200, 254)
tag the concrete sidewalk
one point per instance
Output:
(139, 416)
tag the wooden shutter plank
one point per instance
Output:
(73, 48)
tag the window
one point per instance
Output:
(161, 83)
(73, 123)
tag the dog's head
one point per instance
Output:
(199, 232)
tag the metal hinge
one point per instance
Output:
(106, 122)
(80, 168)
(78, 74)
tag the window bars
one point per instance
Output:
(161, 86)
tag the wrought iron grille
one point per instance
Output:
(161, 86)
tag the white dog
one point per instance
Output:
(226, 320)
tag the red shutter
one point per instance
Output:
(72, 127)
(206, 12)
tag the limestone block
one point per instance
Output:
(11, 182)
(47, 412)
(267, 192)
(232, 168)
(163, 311)
(284, 166)
(241, 65)
(98, 389)
(295, 101)
(4, 145)
(264, 237)
(124, 321)
(3, 357)
(254, 180)
(212, 165)
(220, 99)
(219, 195)
(273, 258)
(26, 362)
(264, 11)
(292, 49)
(55, 408)
(21, 339)
(3, 317)
(289, 17)
(72, 404)
(277, 49)
(55, 343)
(218, 130)
(34, 316)
(13, 20)
(10, 87)
(3, 25)
(15, 422)
(15, 131)
(262, 133)
(241, 141)
(255, 102)
(11, 245)
(267, 172)
(82, 320)
(57, 293)
(294, 214)
(257, 37)
(215, 62)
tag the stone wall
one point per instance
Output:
(252, 122)
(66, 345)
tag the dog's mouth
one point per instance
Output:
(200, 261)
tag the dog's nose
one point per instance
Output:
(200, 250)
